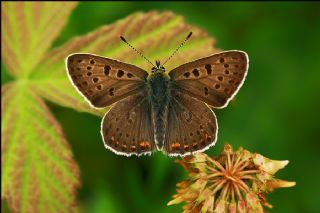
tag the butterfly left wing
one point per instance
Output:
(127, 129)
(192, 126)
(103, 81)
(214, 79)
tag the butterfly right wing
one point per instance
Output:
(214, 79)
(192, 125)
(103, 81)
(127, 128)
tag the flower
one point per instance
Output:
(235, 181)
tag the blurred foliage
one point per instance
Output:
(275, 112)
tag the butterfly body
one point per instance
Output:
(159, 97)
(158, 111)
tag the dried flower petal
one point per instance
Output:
(220, 207)
(235, 181)
(208, 203)
(253, 203)
(241, 206)
(268, 165)
(232, 207)
(275, 183)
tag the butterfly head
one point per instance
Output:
(158, 68)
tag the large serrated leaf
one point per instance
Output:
(28, 30)
(156, 34)
(38, 170)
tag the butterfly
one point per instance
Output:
(159, 111)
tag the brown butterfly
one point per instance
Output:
(168, 112)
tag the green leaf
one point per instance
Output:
(156, 34)
(38, 170)
(28, 30)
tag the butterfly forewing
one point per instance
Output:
(104, 81)
(127, 127)
(214, 79)
(192, 126)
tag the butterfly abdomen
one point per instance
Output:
(159, 99)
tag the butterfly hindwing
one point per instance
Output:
(104, 81)
(127, 128)
(192, 125)
(214, 79)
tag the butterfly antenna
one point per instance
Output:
(185, 40)
(125, 41)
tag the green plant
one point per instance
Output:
(39, 173)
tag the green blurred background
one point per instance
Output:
(275, 113)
